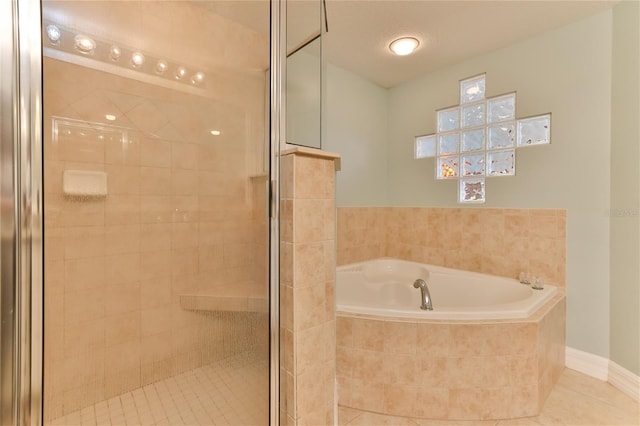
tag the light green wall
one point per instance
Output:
(303, 96)
(625, 187)
(355, 118)
(566, 72)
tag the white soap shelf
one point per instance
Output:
(84, 183)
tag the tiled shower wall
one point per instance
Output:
(501, 242)
(179, 218)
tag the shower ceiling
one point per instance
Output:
(207, 42)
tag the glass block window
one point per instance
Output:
(534, 130)
(501, 108)
(448, 119)
(448, 167)
(472, 89)
(502, 136)
(473, 115)
(425, 146)
(501, 163)
(478, 138)
(471, 190)
(472, 140)
(473, 165)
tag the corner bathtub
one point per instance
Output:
(384, 287)
(492, 348)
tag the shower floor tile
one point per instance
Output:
(229, 392)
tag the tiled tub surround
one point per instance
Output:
(454, 369)
(180, 217)
(501, 242)
(307, 288)
(450, 369)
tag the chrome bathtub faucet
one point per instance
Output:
(426, 296)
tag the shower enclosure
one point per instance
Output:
(156, 168)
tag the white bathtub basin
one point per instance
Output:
(384, 287)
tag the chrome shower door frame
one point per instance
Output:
(21, 259)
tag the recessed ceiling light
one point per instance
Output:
(84, 44)
(53, 33)
(404, 46)
(161, 66)
(197, 78)
(115, 53)
(180, 72)
(137, 59)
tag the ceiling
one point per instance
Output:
(450, 31)
(359, 30)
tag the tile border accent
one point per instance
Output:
(313, 152)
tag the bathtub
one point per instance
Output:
(384, 287)
(492, 348)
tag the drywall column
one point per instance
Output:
(307, 287)
(625, 188)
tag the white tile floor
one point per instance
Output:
(230, 392)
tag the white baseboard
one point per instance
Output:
(603, 369)
(586, 363)
(624, 380)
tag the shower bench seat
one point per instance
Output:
(237, 298)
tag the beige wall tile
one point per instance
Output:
(121, 269)
(122, 209)
(400, 369)
(84, 337)
(155, 292)
(123, 179)
(366, 397)
(122, 299)
(84, 274)
(155, 181)
(156, 209)
(84, 305)
(503, 242)
(155, 237)
(156, 320)
(83, 213)
(126, 152)
(308, 264)
(155, 153)
(79, 242)
(308, 307)
(368, 334)
(121, 239)
(400, 338)
(307, 351)
(122, 328)
(184, 156)
(122, 357)
(184, 182)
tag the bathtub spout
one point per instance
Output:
(426, 296)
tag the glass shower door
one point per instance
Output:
(156, 280)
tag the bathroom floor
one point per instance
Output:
(575, 400)
(229, 392)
